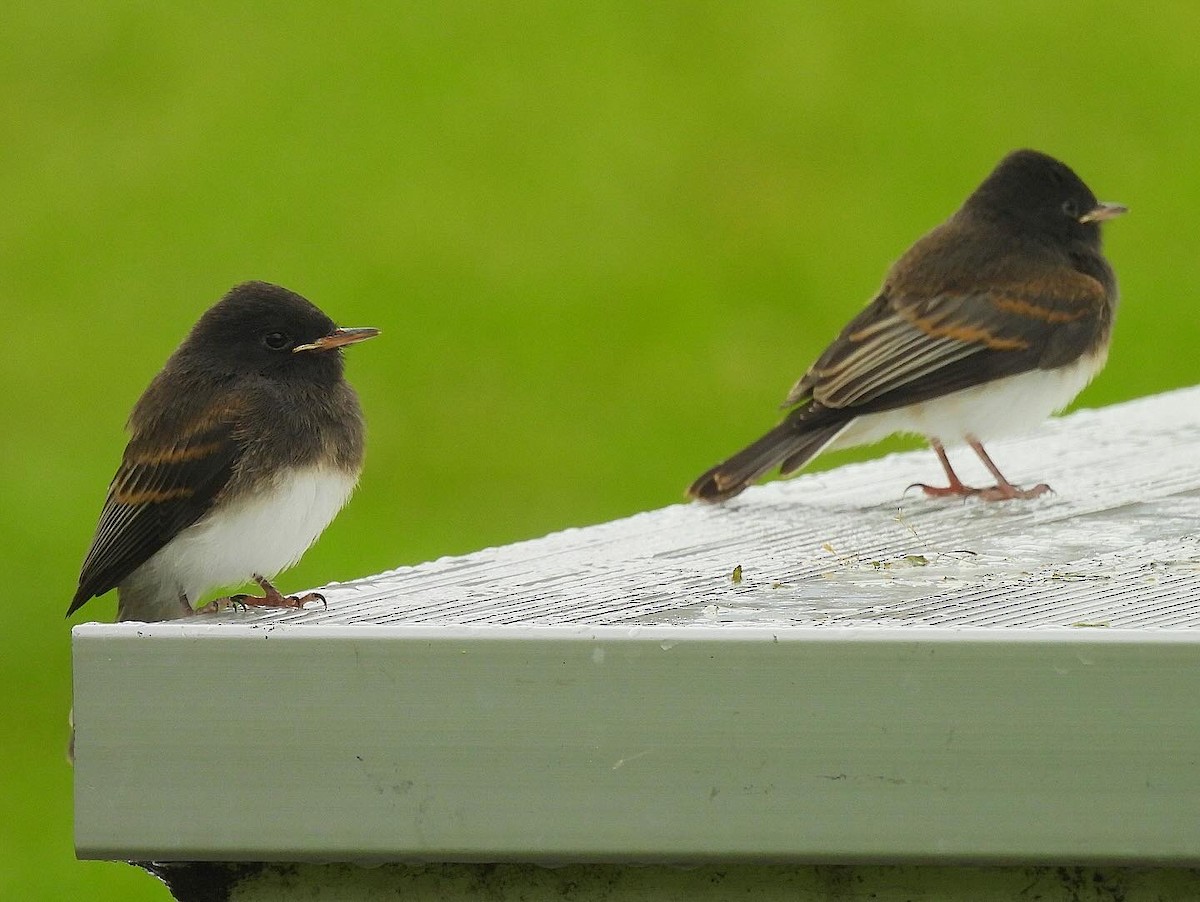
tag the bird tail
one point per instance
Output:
(792, 444)
(82, 597)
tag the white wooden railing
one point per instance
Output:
(886, 678)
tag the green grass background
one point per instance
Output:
(601, 239)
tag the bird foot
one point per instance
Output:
(271, 598)
(954, 490)
(1000, 492)
(277, 600)
(1008, 492)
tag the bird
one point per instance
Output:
(987, 325)
(242, 450)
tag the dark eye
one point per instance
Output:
(1071, 209)
(276, 341)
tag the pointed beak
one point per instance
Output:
(338, 338)
(1102, 211)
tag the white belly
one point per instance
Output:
(1011, 405)
(260, 535)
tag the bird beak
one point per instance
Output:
(1102, 211)
(338, 338)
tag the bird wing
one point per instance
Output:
(905, 348)
(161, 488)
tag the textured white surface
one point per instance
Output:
(1118, 545)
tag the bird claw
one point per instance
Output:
(311, 596)
(228, 603)
(937, 491)
(1008, 492)
(271, 598)
(1000, 492)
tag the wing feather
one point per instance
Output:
(159, 490)
(904, 348)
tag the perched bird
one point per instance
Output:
(241, 451)
(988, 324)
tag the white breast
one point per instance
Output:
(1004, 407)
(262, 535)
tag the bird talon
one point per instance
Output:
(270, 600)
(229, 602)
(317, 596)
(1009, 492)
(937, 491)
(273, 598)
(299, 601)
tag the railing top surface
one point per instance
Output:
(1117, 545)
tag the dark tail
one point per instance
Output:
(792, 443)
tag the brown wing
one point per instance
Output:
(161, 488)
(903, 349)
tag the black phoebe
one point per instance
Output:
(987, 325)
(241, 451)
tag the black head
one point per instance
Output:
(1043, 198)
(263, 328)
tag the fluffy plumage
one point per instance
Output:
(241, 451)
(988, 324)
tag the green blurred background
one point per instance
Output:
(602, 239)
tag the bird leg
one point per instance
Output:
(1003, 490)
(956, 486)
(271, 598)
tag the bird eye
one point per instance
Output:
(1071, 209)
(276, 341)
